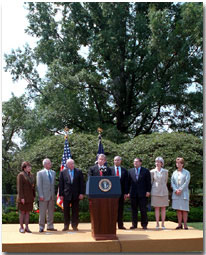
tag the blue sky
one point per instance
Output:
(13, 24)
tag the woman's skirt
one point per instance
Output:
(28, 207)
(180, 204)
(159, 201)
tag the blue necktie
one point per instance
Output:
(71, 173)
(50, 178)
(137, 173)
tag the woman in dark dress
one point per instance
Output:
(25, 195)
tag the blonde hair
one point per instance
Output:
(181, 160)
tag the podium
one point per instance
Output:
(103, 193)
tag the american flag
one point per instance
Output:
(100, 148)
(66, 155)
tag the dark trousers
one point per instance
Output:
(75, 213)
(141, 203)
(120, 212)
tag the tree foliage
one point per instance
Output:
(135, 78)
(84, 148)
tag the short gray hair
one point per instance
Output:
(160, 159)
(118, 157)
(45, 161)
(69, 159)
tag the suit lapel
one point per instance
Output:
(113, 171)
(122, 173)
(46, 175)
(133, 174)
(140, 174)
(67, 174)
(75, 174)
(97, 170)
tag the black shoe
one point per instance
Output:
(122, 227)
(179, 227)
(185, 227)
(65, 228)
(51, 229)
(144, 227)
(132, 227)
(75, 228)
(28, 230)
(41, 230)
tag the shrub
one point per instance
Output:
(13, 217)
(84, 217)
(58, 217)
(34, 217)
(195, 215)
(148, 147)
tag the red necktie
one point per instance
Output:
(117, 171)
(100, 171)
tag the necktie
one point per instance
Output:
(117, 171)
(71, 175)
(50, 178)
(137, 173)
(100, 171)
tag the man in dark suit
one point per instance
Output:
(117, 170)
(71, 190)
(140, 187)
(100, 169)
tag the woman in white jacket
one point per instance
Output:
(180, 197)
(159, 192)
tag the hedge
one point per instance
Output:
(195, 215)
(84, 148)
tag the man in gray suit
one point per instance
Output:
(46, 193)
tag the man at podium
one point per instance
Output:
(100, 169)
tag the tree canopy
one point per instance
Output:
(141, 61)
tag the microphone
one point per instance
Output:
(103, 169)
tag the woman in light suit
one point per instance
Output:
(159, 192)
(180, 197)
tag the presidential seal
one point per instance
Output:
(105, 185)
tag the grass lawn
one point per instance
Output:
(197, 225)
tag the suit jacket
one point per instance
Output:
(70, 190)
(123, 179)
(25, 188)
(159, 182)
(180, 180)
(142, 185)
(45, 188)
(94, 171)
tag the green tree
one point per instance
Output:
(14, 113)
(136, 78)
(148, 147)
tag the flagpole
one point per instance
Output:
(100, 130)
(66, 131)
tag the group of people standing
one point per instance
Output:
(137, 184)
